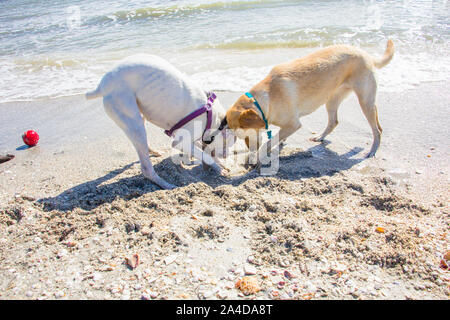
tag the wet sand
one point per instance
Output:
(73, 208)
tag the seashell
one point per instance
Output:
(248, 285)
(447, 256)
(289, 275)
(443, 265)
(308, 296)
(168, 260)
(250, 270)
(145, 231)
(274, 294)
(380, 230)
(132, 262)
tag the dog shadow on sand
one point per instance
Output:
(317, 161)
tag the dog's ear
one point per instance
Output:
(249, 119)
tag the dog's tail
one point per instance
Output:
(93, 94)
(387, 57)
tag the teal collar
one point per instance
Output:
(269, 132)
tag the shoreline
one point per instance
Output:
(81, 94)
(72, 120)
(75, 206)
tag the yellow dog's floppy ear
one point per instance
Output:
(249, 119)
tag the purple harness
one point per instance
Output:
(205, 108)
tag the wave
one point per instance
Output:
(38, 77)
(404, 73)
(300, 38)
(331, 35)
(42, 63)
(256, 45)
(41, 78)
(179, 10)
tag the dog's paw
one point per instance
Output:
(169, 186)
(165, 185)
(218, 171)
(316, 139)
(253, 167)
(214, 167)
(370, 155)
(224, 170)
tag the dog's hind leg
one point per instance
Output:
(332, 108)
(366, 91)
(123, 109)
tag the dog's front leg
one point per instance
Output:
(332, 108)
(208, 161)
(253, 142)
(278, 141)
(215, 159)
(189, 148)
(123, 110)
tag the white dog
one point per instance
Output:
(148, 87)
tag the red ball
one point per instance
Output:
(30, 138)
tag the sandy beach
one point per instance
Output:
(329, 224)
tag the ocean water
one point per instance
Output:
(58, 48)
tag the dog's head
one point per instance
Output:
(222, 138)
(243, 119)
